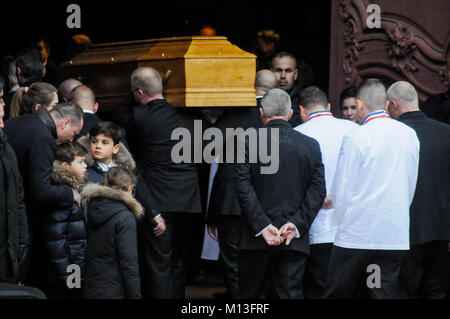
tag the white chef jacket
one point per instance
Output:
(328, 131)
(374, 185)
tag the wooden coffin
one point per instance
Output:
(198, 71)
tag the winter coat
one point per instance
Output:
(112, 269)
(65, 231)
(13, 217)
(33, 138)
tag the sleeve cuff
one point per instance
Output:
(297, 233)
(259, 234)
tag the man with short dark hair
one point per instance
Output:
(34, 138)
(372, 191)
(284, 66)
(320, 124)
(430, 210)
(30, 67)
(278, 207)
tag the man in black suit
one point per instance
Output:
(278, 206)
(84, 97)
(429, 257)
(224, 212)
(174, 187)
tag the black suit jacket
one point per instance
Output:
(294, 93)
(430, 209)
(32, 137)
(223, 200)
(293, 194)
(173, 187)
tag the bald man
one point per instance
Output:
(84, 97)
(173, 186)
(265, 80)
(66, 87)
(429, 256)
(372, 191)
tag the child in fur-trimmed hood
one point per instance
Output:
(112, 269)
(65, 231)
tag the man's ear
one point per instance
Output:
(65, 122)
(295, 74)
(290, 114)
(303, 113)
(116, 148)
(36, 107)
(261, 111)
(95, 107)
(328, 107)
(394, 103)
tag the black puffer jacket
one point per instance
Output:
(112, 269)
(65, 231)
(13, 217)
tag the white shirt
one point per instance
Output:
(374, 185)
(105, 167)
(328, 131)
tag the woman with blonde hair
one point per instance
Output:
(30, 99)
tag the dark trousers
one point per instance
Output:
(163, 259)
(316, 271)
(349, 275)
(283, 268)
(229, 233)
(429, 269)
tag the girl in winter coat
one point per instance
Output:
(112, 270)
(65, 227)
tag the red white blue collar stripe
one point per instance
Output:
(376, 115)
(318, 114)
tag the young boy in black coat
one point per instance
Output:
(65, 230)
(106, 151)
(112, 268)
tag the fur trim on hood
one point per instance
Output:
(91, 191)
(63, 175)
(123, 158)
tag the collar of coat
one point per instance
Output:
(63, 175)
(123, 157)
(278, 123)
(48, 121)
(411, 114)
(91, 191)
